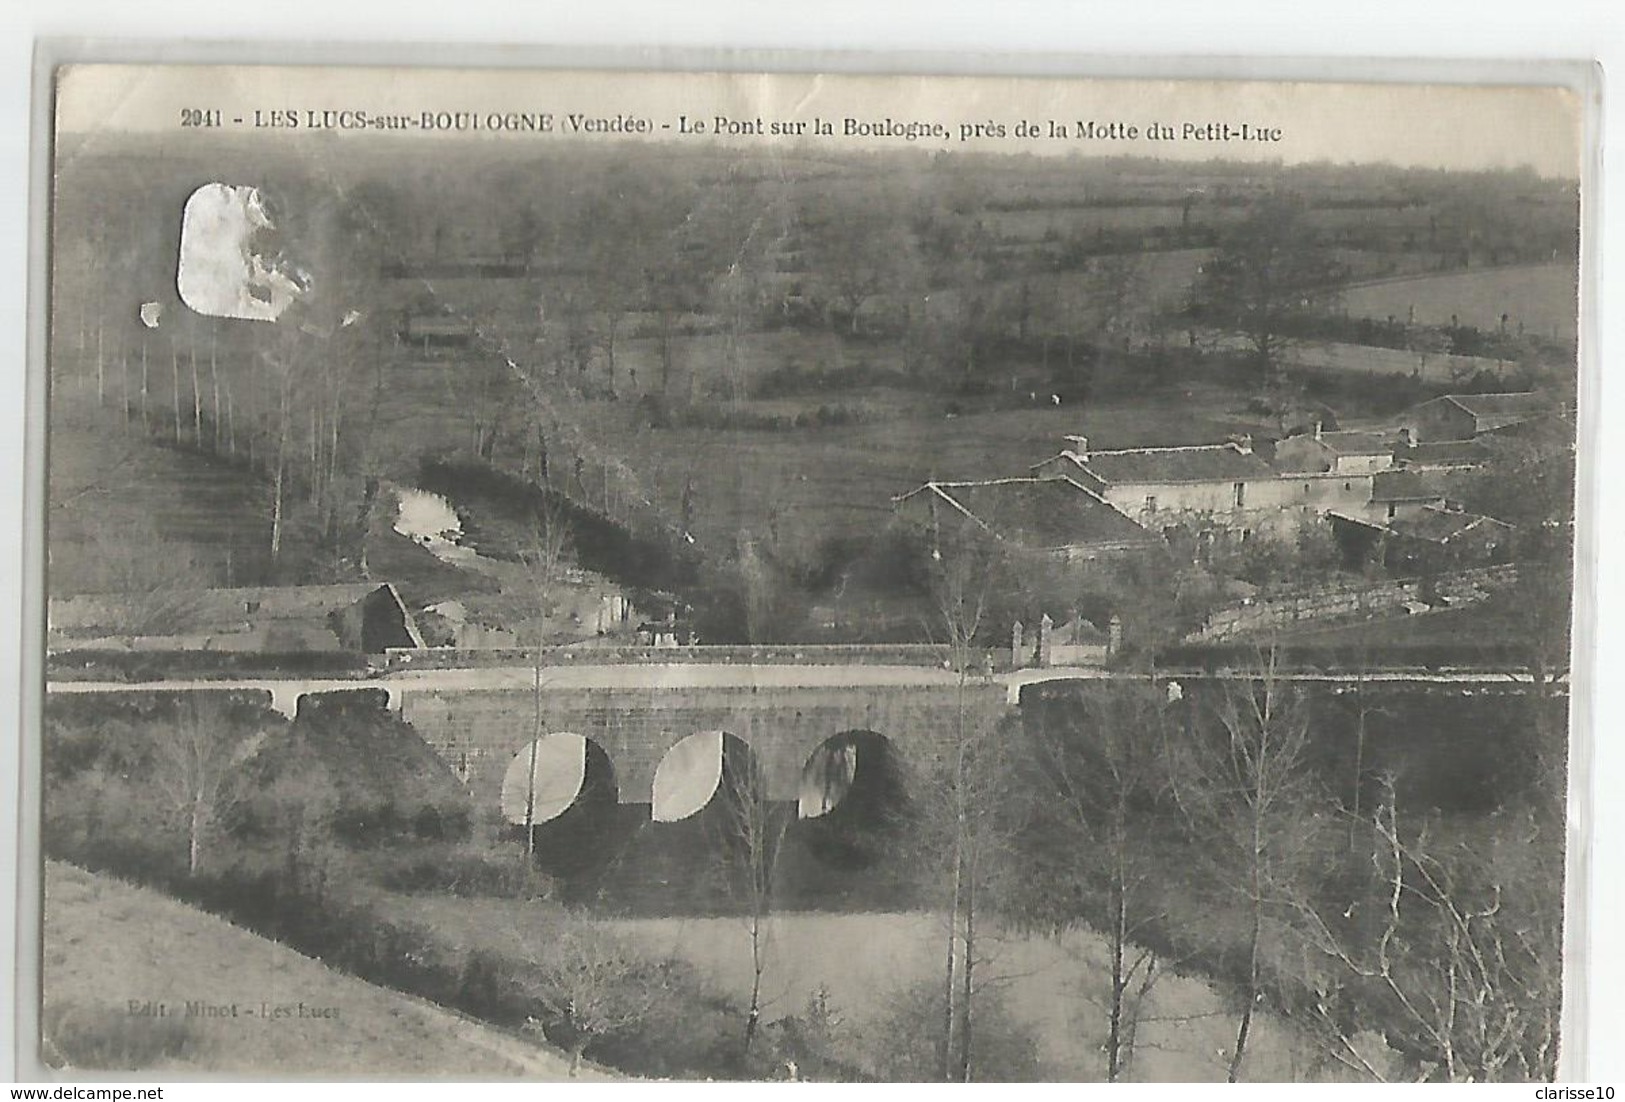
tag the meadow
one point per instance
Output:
(1539, 298)
(819, 483)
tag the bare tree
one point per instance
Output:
(982, 794)
(312, 360)
(1456, 953)
(197, 769)
(286, 368)
(1094, 783)
(1250, 804)
(963, 852)
(964, 823)
(753, 831)
(531, 606)
(855, 251)
(589, 984)
(1529, 482)
(1102, 308)
(1270, 272)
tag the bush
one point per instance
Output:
(104, 1038)
(791, 379)
(813, 1045)
(903, 1041)
(466, 871)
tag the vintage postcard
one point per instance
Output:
(705, 575)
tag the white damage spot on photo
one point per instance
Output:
(223, 269)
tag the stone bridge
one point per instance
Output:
(797, 723)
(484, 733)
(660, 731)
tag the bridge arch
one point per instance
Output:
(551, 775)
(852, 797)
(699, 767)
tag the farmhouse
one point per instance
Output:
(1052, 516)
(1223, 487)
(1320, 452)
(359, 618)
(1465, 416)
(1403, 492)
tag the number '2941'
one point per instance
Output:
(195, 116)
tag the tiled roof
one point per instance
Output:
(1041, 513)
(1501, 405)
(1442, 453)
(203, 612)
(1197, 463)
(1351, 442)
(1439, 525)
(1306, 452)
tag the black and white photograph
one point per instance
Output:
(589, 575)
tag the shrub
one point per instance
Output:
(466, 871)
(107, 1039)
(903, 1041)
(813, 1045)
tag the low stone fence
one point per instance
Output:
(1339, 602)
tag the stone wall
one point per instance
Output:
(1340, 602)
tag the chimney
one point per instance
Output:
(1080, 446)
(1244, 443)
(1404, 437)
(1317, 430)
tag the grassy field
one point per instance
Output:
(1445, 627)
(125, 511)
(110, 946)
(1033, 225)
(791, 487)
(1541, 297)
(814, 483)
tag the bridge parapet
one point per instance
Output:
(835, 654)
